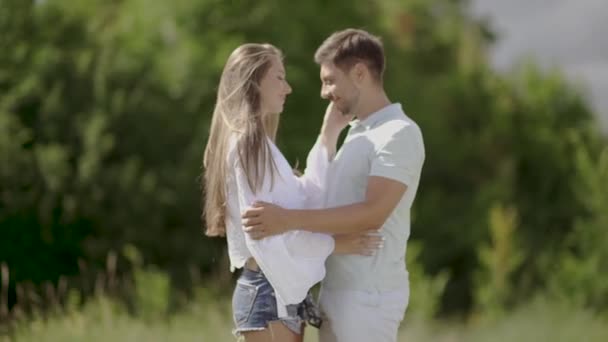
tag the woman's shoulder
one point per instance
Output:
(232, 155)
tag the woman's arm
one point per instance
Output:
(313, 183)
(292, 262)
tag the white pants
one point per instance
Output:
(361, 316)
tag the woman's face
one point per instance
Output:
(274, 88)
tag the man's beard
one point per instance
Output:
(350, 106)
(346, 108)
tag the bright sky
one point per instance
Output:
(570, 34)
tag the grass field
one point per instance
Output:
(209, 320)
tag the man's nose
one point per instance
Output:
(324, 93)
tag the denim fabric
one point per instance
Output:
(254, 305)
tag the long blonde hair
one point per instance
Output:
(238, 111)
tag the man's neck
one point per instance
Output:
(372, 104)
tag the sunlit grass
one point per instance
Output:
(209, 320)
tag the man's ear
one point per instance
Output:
(359, 72)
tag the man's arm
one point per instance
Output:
(382, 196)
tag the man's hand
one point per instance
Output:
(265, 219)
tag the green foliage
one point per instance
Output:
(152, 292)
(105, 108)
(581, 274)
(425, 290)
(499, 260)
(500, 140)
(100, 149)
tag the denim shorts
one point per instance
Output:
(254, 305)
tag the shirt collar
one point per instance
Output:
(377, 117)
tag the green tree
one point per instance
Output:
(105, 108)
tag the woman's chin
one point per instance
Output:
(274, 111)
(278, 110)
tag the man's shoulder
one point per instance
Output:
(397, 128)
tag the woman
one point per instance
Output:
(243, 165)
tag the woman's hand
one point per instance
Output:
(362, 243)
(334, 121)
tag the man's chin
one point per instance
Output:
(341, 109)
(344, 111)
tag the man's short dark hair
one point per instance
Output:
(348, 47)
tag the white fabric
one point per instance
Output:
(294, 261)
(386, 144)
(361, 316)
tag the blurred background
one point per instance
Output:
(104, 113)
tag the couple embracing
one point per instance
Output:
(344, 222)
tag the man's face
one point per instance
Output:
(339, 87)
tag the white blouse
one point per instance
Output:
(293, 261)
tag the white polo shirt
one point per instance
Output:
(386, 144)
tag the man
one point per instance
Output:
(372, 183)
